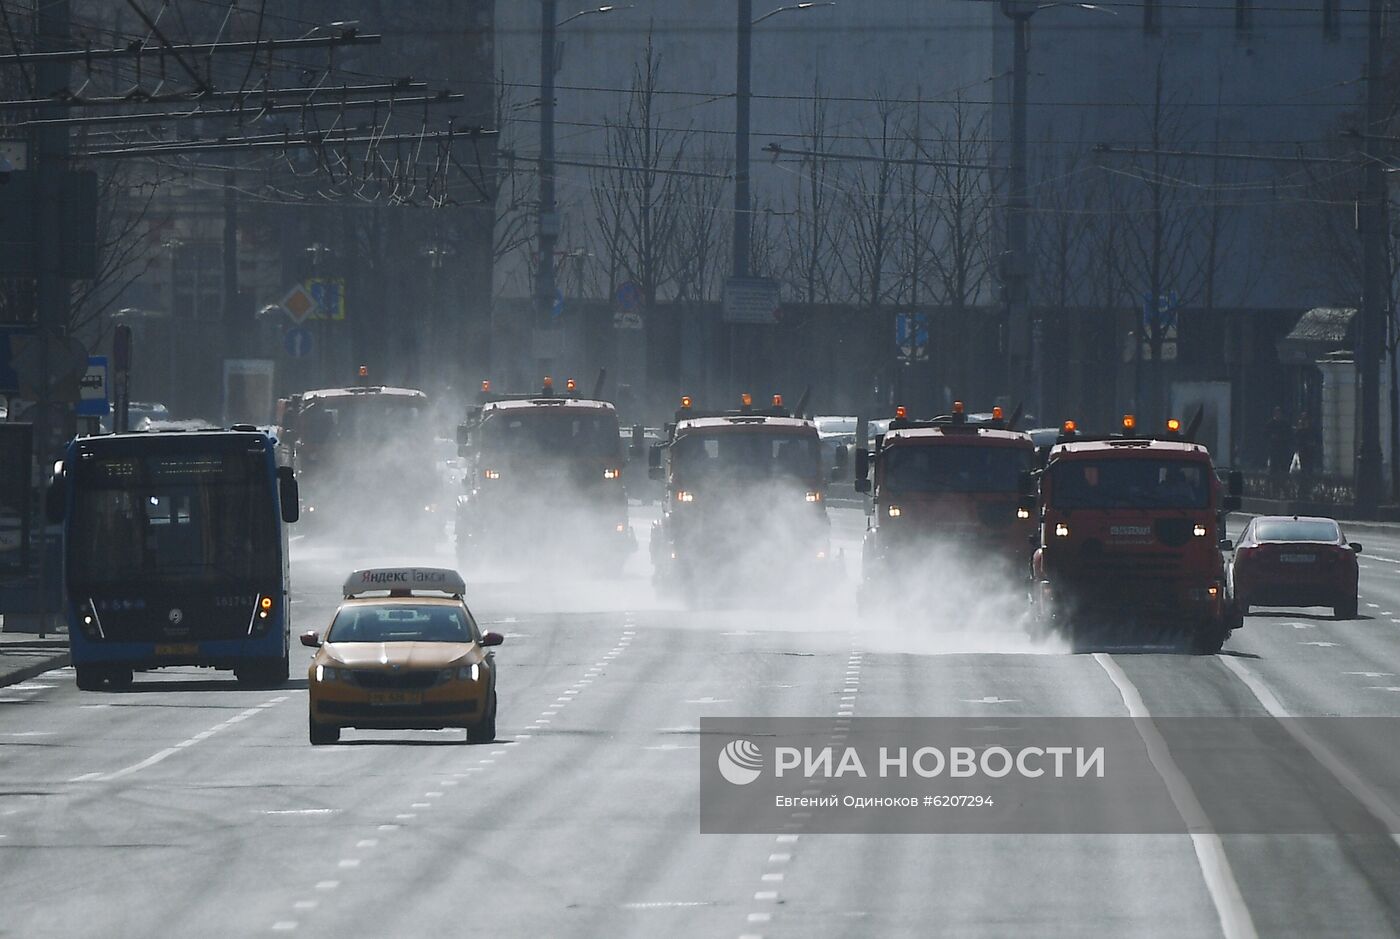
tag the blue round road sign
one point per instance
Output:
(297, 341)
(629, 297)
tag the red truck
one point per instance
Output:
(953, 481)
(1131, 532)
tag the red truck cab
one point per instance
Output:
(1131, 531)
(951, 481)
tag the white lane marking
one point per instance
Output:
(779, 858)
(327, 884)
(666, 904)
(1224, 889)
(1353, 783)
(772, 878)
(1371, 674)
(285, 925)
(1303, 625)
(421, 805)
(991, 699)
(760, 917)
(367, 843)
(787, 839)
(1373, 606)
(301, 811)
(349, 862)
(30, 733)
(1320, 645)
(155, 758)
(709, 700)
(306, 904)
(1383, 688)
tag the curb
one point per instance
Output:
(33, 671)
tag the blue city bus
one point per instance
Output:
(175, 553)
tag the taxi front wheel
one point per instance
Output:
(484, 730)
(322, 733)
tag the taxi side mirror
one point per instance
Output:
(492, 639)
(1355, 546)
(1226, 544)
(312, 639)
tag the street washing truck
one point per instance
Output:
(364, 456)
(952, 484)
(1130, 540)
(744, 503)
(544, 480)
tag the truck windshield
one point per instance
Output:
(954, 468)
(746, 456)
(1130, 484)
(203, 518)
(554, 432)
(367, 418)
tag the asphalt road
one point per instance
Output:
(187, 806)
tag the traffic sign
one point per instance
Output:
(298, 342)
(624, 319)
(299, 303)
(911, 336)
(752, 300)
(329, 294)
(556, 309)
(629, 297)
(94, 398)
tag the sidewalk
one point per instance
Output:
(24, 655)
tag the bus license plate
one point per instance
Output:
(179, 648)
(395, 697)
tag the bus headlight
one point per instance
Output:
(895, 511)
(1023, 512)
(1199, 531)
(1061, 530)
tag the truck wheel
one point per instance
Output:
(1210, 640)
(89, 677)
(1346, 609)
(484, 730)
(322, 733)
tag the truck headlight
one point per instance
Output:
(491, 474)
(895, 511)
(685, 495)
(612, 474)
(813, 495)
(1023, 512)
(1199, 531)
(1061, 530)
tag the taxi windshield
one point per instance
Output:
(400, 622)
(1293, 529)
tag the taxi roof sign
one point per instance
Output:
(404, 580)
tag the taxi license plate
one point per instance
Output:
(1298, 558)
(395, 697)
(178, 648)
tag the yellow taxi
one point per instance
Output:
(403, 653)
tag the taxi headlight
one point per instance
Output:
(463, 673)
(331, 673)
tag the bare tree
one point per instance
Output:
(814, 237)
(638, 205)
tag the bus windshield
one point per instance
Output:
(746, 456)
(206, 518)
(533, 433)
(1130, 484)
(954, 468)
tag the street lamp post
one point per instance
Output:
(548, 217)
(1015, 273)
(743, 211)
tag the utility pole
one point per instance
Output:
(1024, 362)
(1374, 301)
(743, 219)
(548, 211)
(234, 325)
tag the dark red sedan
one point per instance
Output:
(1295, 560)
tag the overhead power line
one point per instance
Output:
(140, 49)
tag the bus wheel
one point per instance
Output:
(119, 677)
(269, 674)
(89, 677)
(484, 731)
(322, 733)
(1211, 639)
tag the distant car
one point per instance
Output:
(834, 434)
(1044, 438)
(403, 653)
(139, 413)
(1295, 561)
